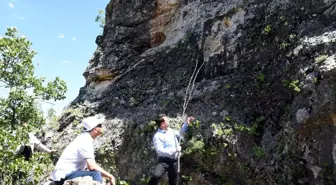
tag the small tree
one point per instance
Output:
(24, 90)
(100, 18)
(51, 114)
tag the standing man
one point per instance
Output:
(79, 154)
(167, 146)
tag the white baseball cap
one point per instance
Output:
(90, 123)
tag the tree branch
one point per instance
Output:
(6, 84)
(49, 103)
(43, 101)
(13, 118)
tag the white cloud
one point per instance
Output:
(74, 38)
(11, 5)
(61, 36)
(18, 17)
(66, 62)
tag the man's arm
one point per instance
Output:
(184, 127)
(37, 144)
(41, 147)
(86, 152)
(92, 165)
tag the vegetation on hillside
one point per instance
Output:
(18, 105)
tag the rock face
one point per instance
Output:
(263, 78)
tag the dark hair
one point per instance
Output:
(159, 119)
(27, 152)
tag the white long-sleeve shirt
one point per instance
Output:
(36, 144)
(166, 142)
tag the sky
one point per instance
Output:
(63, 34)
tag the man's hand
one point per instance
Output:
(190, 120)
(52, 151)
(178, 149)
(112, 181)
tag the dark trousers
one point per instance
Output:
(96, 176)
(164, 165)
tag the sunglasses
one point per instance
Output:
(99, 125)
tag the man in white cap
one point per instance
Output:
(79, 154)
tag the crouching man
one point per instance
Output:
(79, 155)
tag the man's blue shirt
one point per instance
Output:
(166, 142)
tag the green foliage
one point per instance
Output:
(52, 118)
(195, 124)
(258, 151)
(15, 169)
(284, 45)
(292, 36)
(51, 114)
(267, 29)
(253, 129)
(221, 130)
(241, 128)
(321, 58)
(165, 103)
(144, 180)
(20, 105)
(194, 138)
(122, 182)
(75, 123)
(293, 84)
(228, 131)
(259, 119)
(284, 20)
(211, 151)
(217, 129)
(194, 145)
(261, 78)
(256, 124)
(100, 18)
(186, 178)
(149, 128)
(106, 158)
(75, 112)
